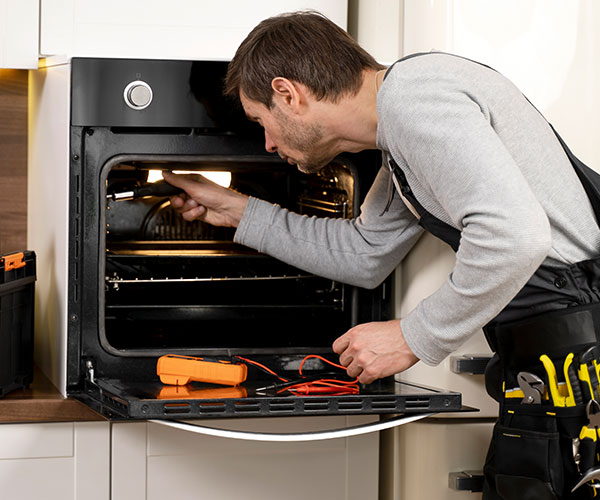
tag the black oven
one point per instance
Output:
(144, 283)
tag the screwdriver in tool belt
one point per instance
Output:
(558, 399)
(588, 373)
(575, 396)
(159, 188)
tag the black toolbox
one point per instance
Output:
(17, 287)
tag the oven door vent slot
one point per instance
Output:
(178, 408)
(246, 407)
(315, 405)
(417, 402)
(384, 404)
(282, 406)
(353, 404)
(212, 407)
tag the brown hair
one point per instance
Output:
(304, 47)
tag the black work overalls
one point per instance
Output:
(556, 312)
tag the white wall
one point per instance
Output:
(549, 48)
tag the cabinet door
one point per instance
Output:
(152, 462)
(19, 34)
(427, 452)
(154, 29)
(55, 461)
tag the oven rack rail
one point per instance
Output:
(119, 281)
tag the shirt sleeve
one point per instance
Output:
(361, 251)
(446, 138)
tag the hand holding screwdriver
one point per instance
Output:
(159, 188)
(206, 201)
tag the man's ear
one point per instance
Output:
(288, 94)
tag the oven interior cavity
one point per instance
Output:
(178, 286)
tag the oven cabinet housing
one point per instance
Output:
(59, 461)
(152, 462)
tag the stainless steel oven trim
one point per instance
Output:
(104, 171)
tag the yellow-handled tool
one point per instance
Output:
(557, 398)
(587, 374)
(574, 396)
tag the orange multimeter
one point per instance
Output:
(191, 392)
(180, 370)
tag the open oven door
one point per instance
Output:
(259, 397)
(398, 402)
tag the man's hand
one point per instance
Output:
(374, 350)
(206, 200)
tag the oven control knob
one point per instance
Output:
(138, 95)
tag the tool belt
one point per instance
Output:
(545, 440)
(554, 333)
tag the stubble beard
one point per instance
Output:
(305, 138)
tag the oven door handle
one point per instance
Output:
(295, 436)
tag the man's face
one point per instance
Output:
(299, 142)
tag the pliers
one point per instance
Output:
(532, 387)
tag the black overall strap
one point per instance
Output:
(435, 226)
(589, 178)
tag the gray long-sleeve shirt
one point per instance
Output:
(479, 157)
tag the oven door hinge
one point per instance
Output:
(90, 371)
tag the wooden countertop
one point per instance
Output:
(43, 403)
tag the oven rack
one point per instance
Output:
(331, 207)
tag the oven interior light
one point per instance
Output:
(222, 178)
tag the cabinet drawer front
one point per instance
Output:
(36, 440)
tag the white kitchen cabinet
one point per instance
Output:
(152, 462)
(154, 29)
(180, 29)
(428, 451)
(59, 461)
(146, 461)
(19, 21)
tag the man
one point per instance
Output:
(468, 158)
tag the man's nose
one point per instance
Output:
(269, 144)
